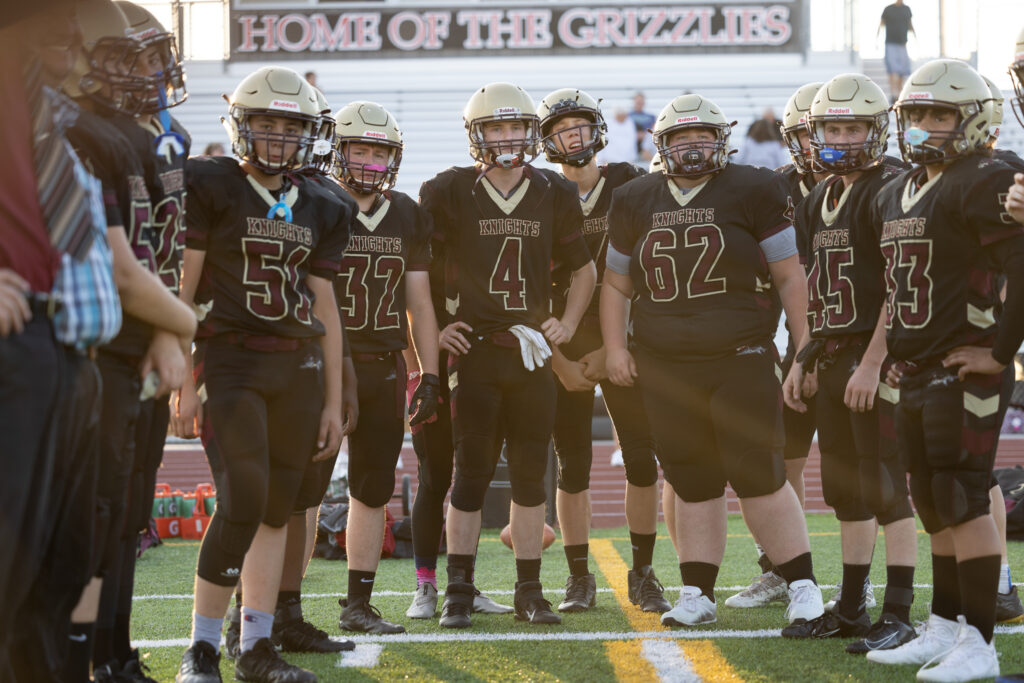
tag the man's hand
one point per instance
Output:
(793, 389)
(555, 331)
(621, 367)
(594, 365)
(861, 388)
(14, 309)
(186, 412)
(423, 405)
(349, 396)
(328, 441)
(164, 356)
(452, 340)
(1015, 198)
(571, 374)
(973, 359)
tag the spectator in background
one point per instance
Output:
(643, 121)
(896, 20)
(763, 145)
(622, 139)
(214, 149)
(310, 77)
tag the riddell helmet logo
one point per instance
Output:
(375, 134)
(687, 119)
(919, 96)
(839, 110)
(284, 104)
(142, 35)
(507, 111)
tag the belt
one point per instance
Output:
(372, 357)
(262, 343)
(503, 338)
(44, 303)
(909, 368)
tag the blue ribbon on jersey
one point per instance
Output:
(831, 154)
(168, 142)
(915, 136)
(284, 207)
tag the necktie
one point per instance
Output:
(64, 198)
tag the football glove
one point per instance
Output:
(533, 345)
(423, 404)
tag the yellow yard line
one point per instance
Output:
(708, 662)
(628, 660)
(614, 570)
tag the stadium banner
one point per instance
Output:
(306, 29)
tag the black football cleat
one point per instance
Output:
(885, 634)
(199, 664)
(580, 593)
(829, 625)
(457, 608)
(646, 591)
(1008, 607)
(292, 633)
(263, 664)
(360, 616)
(531, 606)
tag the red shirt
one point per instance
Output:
(24, 243)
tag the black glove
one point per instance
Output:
(424, 401)
(809, 355)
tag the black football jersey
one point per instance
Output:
(701, 281)
(109, 156)
(595, 233)
(936, 237)
(838, 246)
(164, 173)
(1010, 158)
(254, 275)
(393, 238)
(497, 251)
(799, 184)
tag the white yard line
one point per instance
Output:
(669, 662)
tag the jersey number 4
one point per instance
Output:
(507, 279)
(659, 265)
(355, 300)
(907, 263)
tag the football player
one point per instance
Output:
(262, 248)
(383, 291)
(863, 479)
(945, 234)
(291, 631)
(573, 131)
(699, 245)
(119, 77)
(1017, 78)
(798, 427)
(499, 224)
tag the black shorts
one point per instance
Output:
(861, 477)
(260, 426)
(948, 430)
(716, 421)
(492, 392)
(374, 447)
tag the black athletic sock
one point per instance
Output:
(946, 591)
(851, 602)
(576, 556)
(899, 592)
(643, 549)
(529, 570)
(797, 569)
(285, 597)
(360, 584)
(700, 574)
(461, 564)
(979, 581)
(79, 652)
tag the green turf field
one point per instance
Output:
(605, 643)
